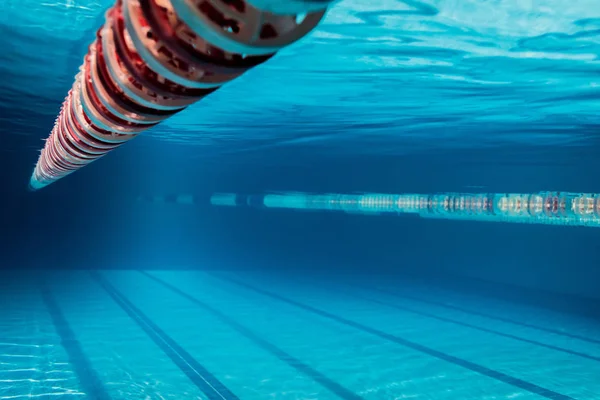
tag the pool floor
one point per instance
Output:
(132, 334)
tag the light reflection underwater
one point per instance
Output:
(551, 208)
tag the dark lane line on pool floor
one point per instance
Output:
(198, 374)
(293, 362)
(476, 327)
(478, 313)
(519, 296)
(370, 288)
(500, 376)
(562, 303)
(351, 293)
(91, 383)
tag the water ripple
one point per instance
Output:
(382, 75)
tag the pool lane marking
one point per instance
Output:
(198, 374)
(295, 363)
(560, 303)
(479, 328)
(500, 376)
(477, 313)
(368, 287)
(452, 320)
(91, 383)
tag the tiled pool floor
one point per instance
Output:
(131, 334)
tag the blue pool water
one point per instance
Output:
(246, 335)
(103, 297)
(376, 77)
